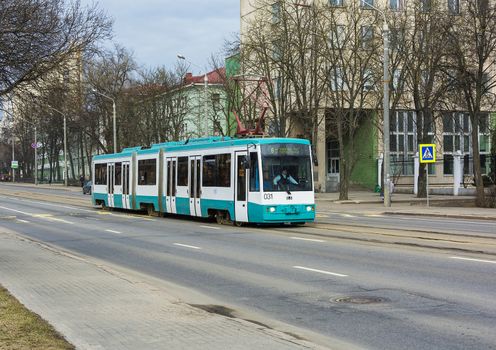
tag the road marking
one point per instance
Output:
(347, 215)
(23, 221)
(187, 246)
(308, 239)
(469, 259)
(375, 216)
(322, 216)
(320, 271)
(112, 231)
(16, 211)
(210, 227)
(50, 217)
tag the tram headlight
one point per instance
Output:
(310, 208)
(271, 209)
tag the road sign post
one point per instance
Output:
(427, 153)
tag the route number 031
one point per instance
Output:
(268, 196)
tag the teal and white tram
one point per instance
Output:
(247, 180)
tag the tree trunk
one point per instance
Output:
(343, 162)
(480, 200)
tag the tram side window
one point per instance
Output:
(217, 170)
(182, 171)
(147, 172)
(118, 174)
(254, 173)
(209, 170)
(100, 174)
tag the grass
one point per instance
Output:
(20, 329)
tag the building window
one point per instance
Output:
(368, 79)
(367, 4)
(395, 5)
(276, 50)
(454, 7)
(425, 5)
(336, 79)
(336, 3)
(147, 172)
(276, 12)
(101, 174)
(367, 35)
(337, 36)
(333, 157)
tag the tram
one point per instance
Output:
(245, 180)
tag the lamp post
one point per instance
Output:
(385, 106)
(114, 117)
(35, 150)
(205, 81)
(65, 144)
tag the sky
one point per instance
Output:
(157, 30)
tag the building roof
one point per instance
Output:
(217, 76)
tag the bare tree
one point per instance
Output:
(473, 44)
(36, 36)
(427, 69)
(351, 54)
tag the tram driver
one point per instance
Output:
(284, 180)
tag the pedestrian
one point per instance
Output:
(81, 180)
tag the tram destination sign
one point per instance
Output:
(286, 150)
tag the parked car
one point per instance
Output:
(87, 187)
(5, 177)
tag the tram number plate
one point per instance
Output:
(268, 196)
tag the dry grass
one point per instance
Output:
(21, 329)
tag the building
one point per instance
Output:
(450, 128)
(203, 100)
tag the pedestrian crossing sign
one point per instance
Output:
(427, 153)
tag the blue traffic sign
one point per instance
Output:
(427, 153)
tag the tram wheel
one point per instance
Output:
(238, 224)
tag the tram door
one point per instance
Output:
(170, 199)
(110, 183)
(241, 193)
(195, 185)
(125, 186)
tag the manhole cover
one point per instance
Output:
(359, 300)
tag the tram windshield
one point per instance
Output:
(286, 167)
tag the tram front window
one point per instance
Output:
(286, 167)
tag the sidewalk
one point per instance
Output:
(56, 186)
(370, 203)
(95, 307)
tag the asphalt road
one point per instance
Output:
(372, 295)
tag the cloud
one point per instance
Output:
(156, 30)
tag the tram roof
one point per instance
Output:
(199, 143)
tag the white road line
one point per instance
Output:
(478, 260)
(375, 216)
(320, 271)
(347, 215)
(23, 221)
(112, 231)
(49, 204)
(210, 227)
(58, 220)
(187, 246)
(307, 239)
(17, 211)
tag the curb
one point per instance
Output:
(439, 215)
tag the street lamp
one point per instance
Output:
(114, 116)
(385, 107)
(205, 80)
(65, 143)
(35, 150)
